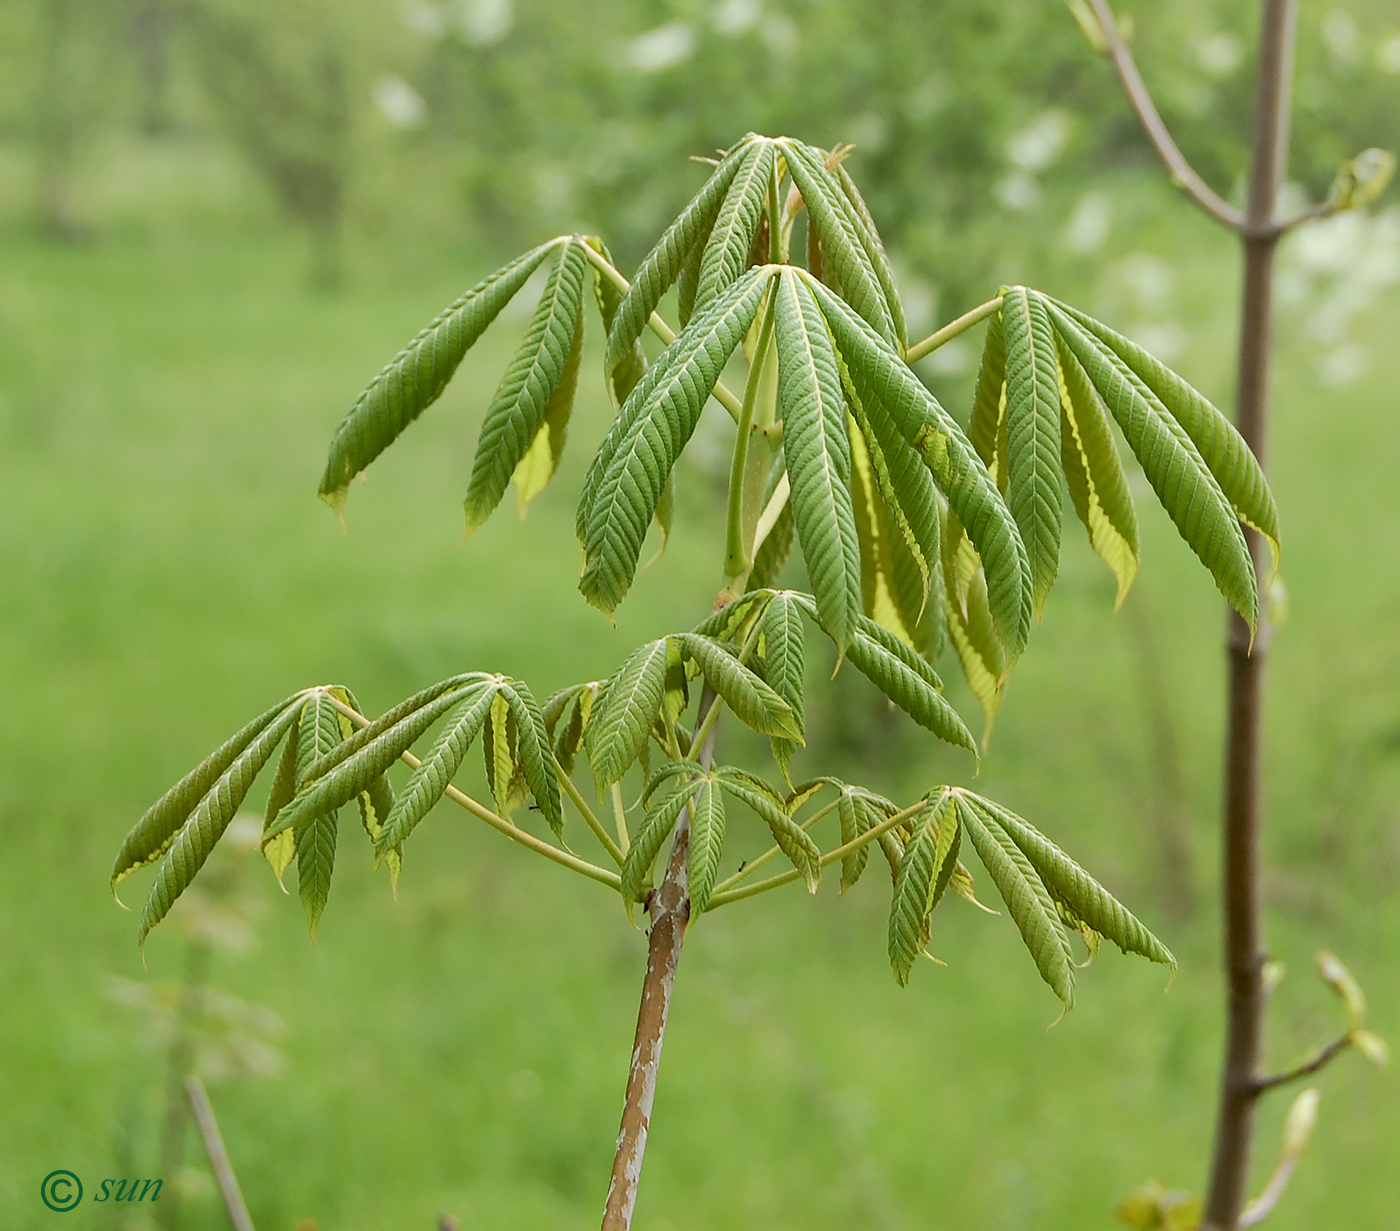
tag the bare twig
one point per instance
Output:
(1322, 1057)
(1182, 173)
(218, 1155)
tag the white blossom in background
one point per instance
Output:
(1040, 143)
(1089, 224)
(1388, 54)
(1341, 34)
(399, 102)
(485, 22)
(1332, 271)
(1030, 152)
(1147, 283)
(733, 17)
(661, 48)
(1220, 54)
(429, 19)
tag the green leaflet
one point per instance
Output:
(376, 802)
(1026, 898)
(1073, 887)
(632, 363)
(925, 868)
(970, 626)
(872, 533)
(646, 845)
(880, 377)
(577, 702)
(281, 850)
(154, 833)
(870, 240)
(726, 253)
(417, 375)
(338, 776)
(1097, 485)
(790, 837)
(534, 471)
(667, 771)
(818, 456)
(532, 749)
(706, 842)
(624, 484)
(905, 678)
(527, 389)
(1231, 461)
(624, 713)
(853, 824)
(986, 428)
(911, 501)
(1033, 434)
(846, 266)
(318, 732)
(733, 621)
(1173, 465)
(661, 265)
(503, 776)
(785, 663)
(688, 280)
(187, 849)
(754, 703)
(428, 783)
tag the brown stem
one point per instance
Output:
(1181, 171)
(1243, 932)
(669, 908)
(1323, 1057)
(218, 1155)
(172, 1138)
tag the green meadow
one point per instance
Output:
(166, 395)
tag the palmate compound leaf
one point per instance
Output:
(904, 677)
(846, 263)
(1032, 427)
(755, 703)
(879, 376)
(623, 715)
(417, 375)
(818, 456)
(526, 392)
(1184, 483)
(533, 753)
(1027, 899)
(925, 868)
(629, 472)
(662, 264)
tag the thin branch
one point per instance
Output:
(771, 512)
(792, 874)
(659, 327)
(218, 1155)
(1307, 1068)
(588, 814)
(1182, 173)
(951, 330)
(620, 813)
(483, 813)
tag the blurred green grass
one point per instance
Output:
(165, 399)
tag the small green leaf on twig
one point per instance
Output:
(1353, 999)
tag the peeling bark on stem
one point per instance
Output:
(668, 905)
